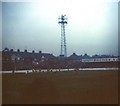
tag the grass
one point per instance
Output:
(73, 87)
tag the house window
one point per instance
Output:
(18, 58)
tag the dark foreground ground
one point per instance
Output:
(83, 87)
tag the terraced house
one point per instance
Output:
(22, 60)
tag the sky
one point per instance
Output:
(92, 26)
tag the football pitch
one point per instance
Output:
(69, 87)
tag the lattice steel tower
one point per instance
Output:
(63, 20)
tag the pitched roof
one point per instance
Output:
(74, 57)
(29, 55)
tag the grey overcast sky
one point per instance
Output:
(92, 26)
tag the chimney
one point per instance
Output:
(33, 51)
(11, 50)
(25, 50)
(6, 49)
(40, 52)
(74, 53)
(18, 50)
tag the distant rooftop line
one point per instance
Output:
(72, 55)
